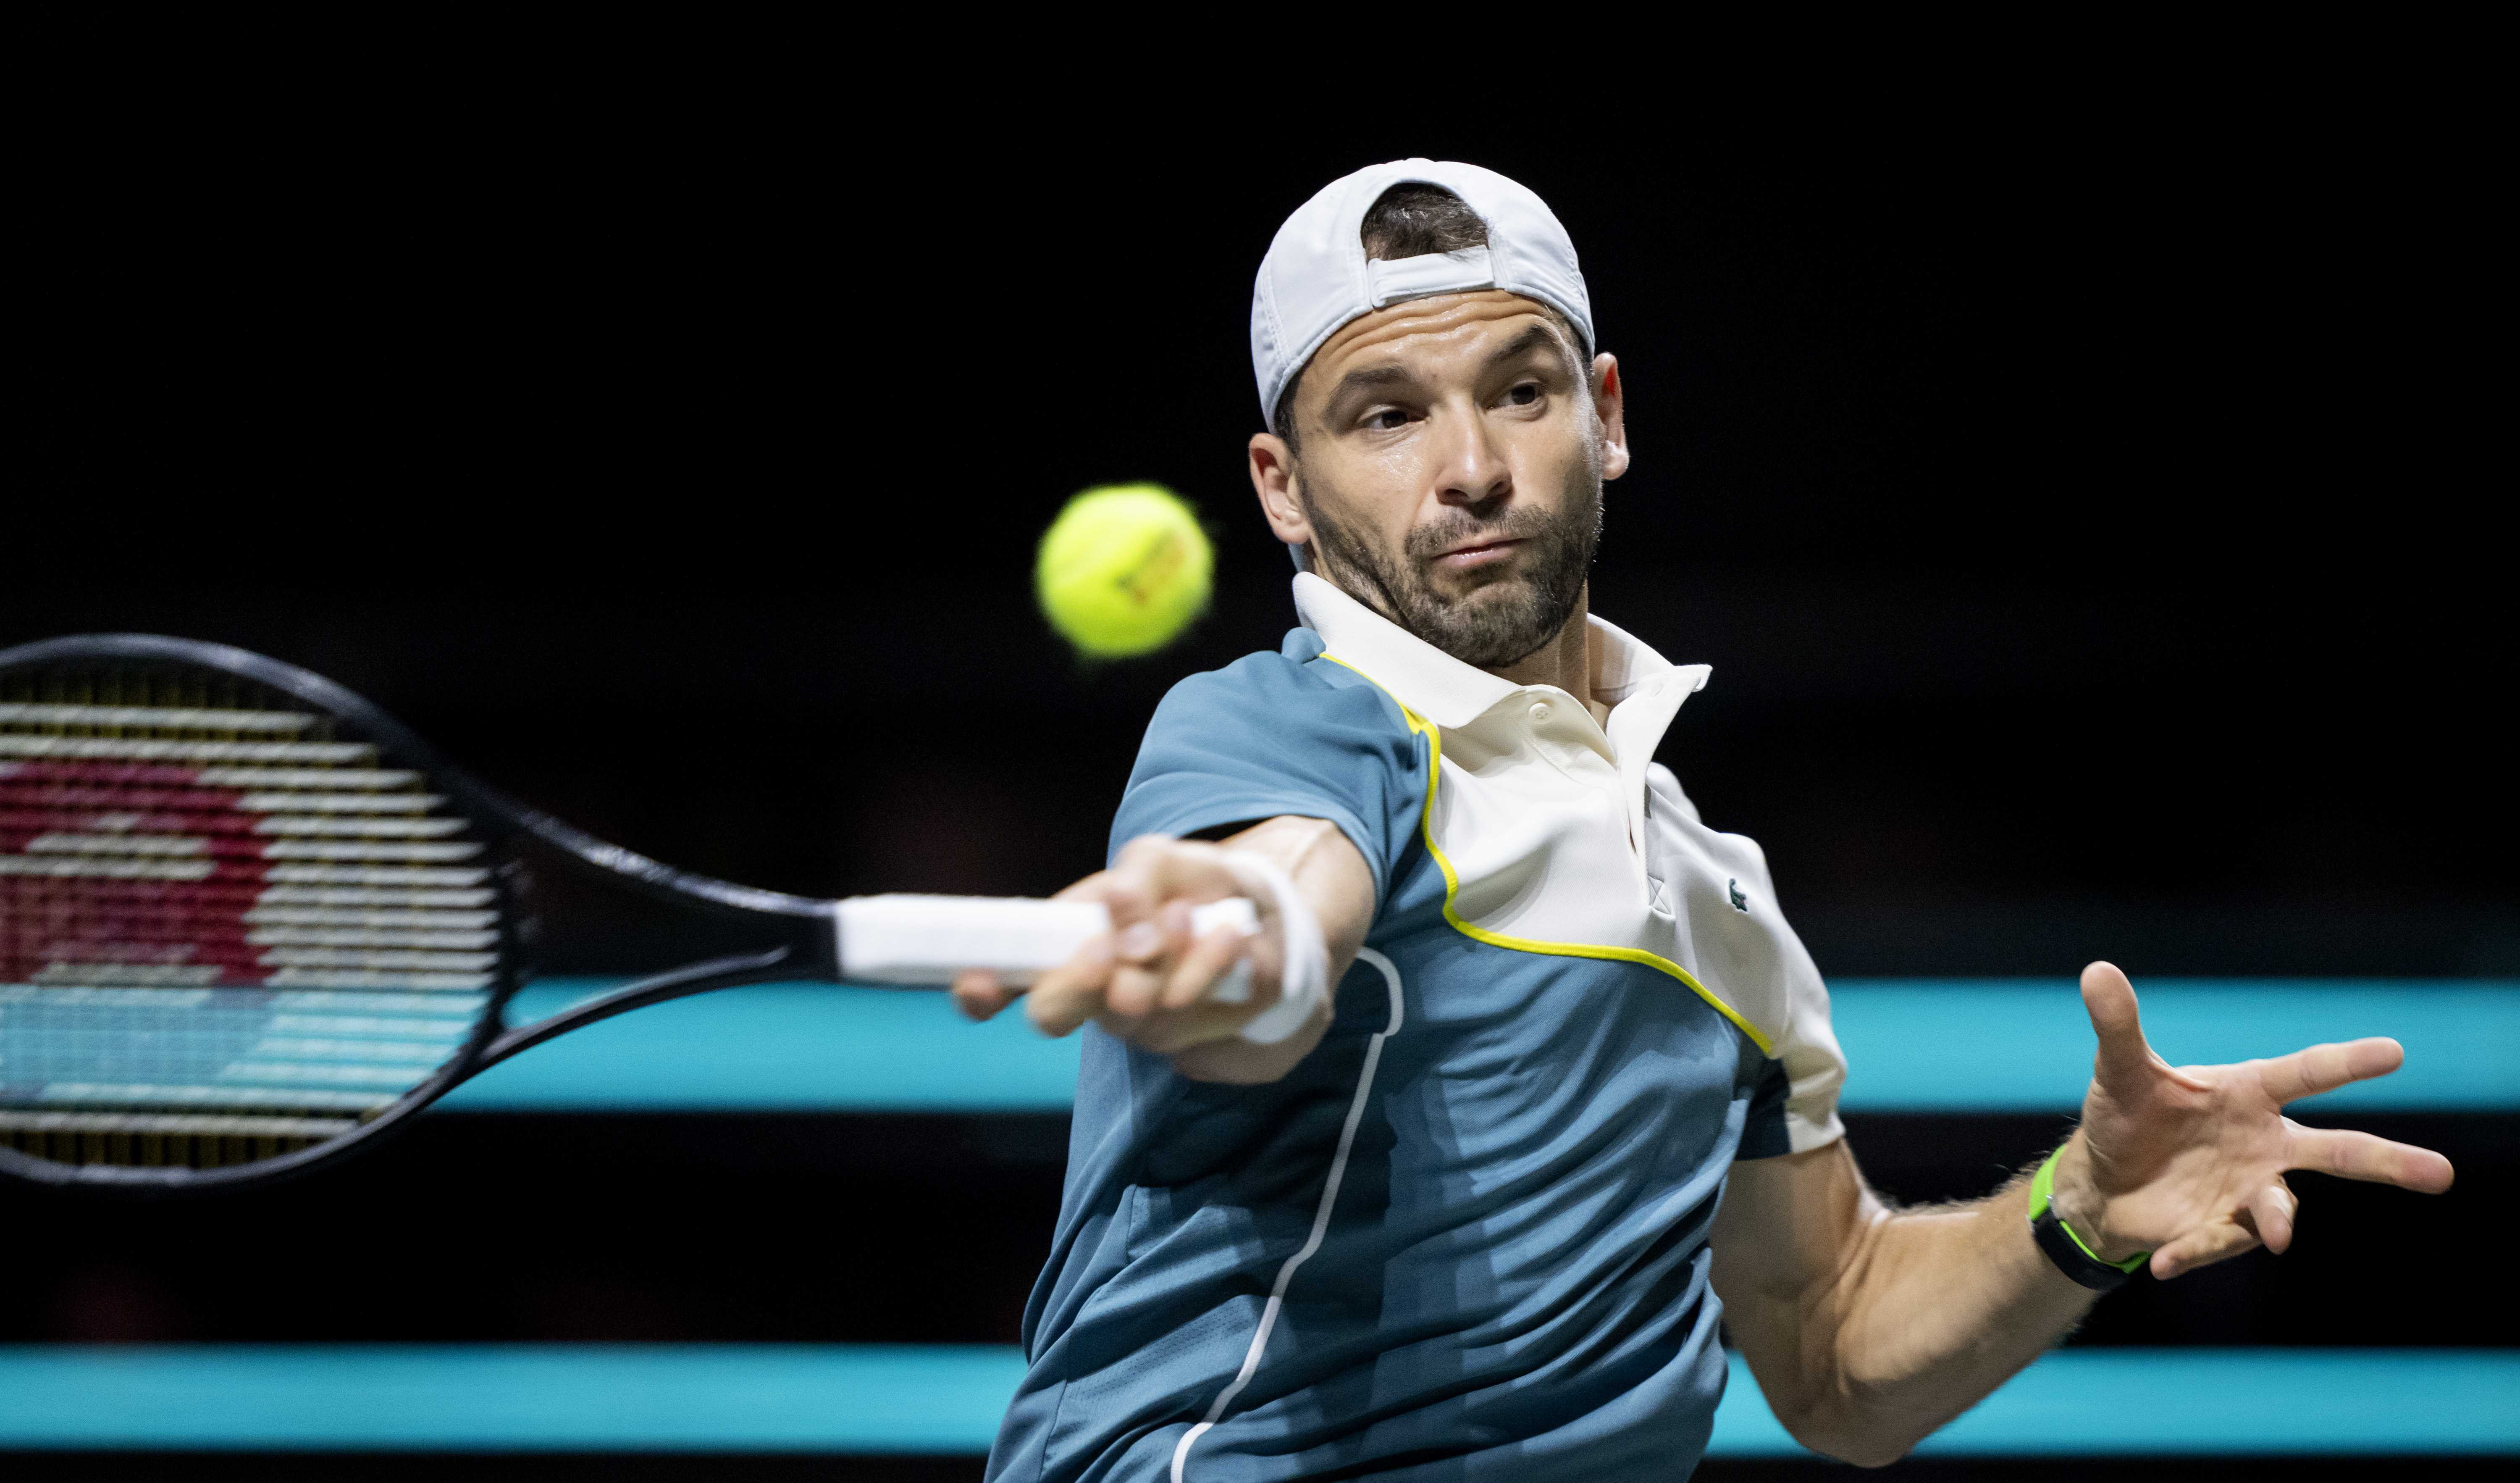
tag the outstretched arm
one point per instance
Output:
(1870, 1328)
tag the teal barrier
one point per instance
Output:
(508, 1398)
(778, 1048)
(2017, 1044)
(908, 1398)
(2080, 1403)
(1913, 1044)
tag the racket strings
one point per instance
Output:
(227, 932)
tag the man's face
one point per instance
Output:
(1451, 472)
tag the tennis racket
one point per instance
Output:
(250, 922)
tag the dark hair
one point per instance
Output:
(1412, 221)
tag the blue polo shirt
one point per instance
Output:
(1466, 1234)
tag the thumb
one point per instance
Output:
(2109, 1000)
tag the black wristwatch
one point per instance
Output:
(2065, 1247)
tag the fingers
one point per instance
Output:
(2269, 1216)
(978, 994)
(1206, 961)
(1070, 994)
(1145, 979)
(1148, 892)
(1146, 983)
(1140, 953)
(2350, 1155)
(2109, 1000)
(2202, 1248)
(1175, 1013)
(2324, 1068)
(2270, 1213)
(2267, 1219)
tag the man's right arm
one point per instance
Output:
(1147, 980)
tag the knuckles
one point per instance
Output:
(1146, 983)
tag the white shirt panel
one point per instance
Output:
(1560, 834)
(1537, 834)
(1749, 951)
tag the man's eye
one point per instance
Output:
(1389, 419)
(1525, 394)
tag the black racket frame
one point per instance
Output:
(805, 941)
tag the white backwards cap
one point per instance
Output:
(1317, 277)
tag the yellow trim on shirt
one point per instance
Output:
(1453, 885)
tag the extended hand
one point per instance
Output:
(1147, 980)
(2187, 1162)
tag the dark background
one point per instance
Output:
(2087, 521)
(2084, 503)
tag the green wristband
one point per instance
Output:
(2064, 1246)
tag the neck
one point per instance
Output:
(1565, 661)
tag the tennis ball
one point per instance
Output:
(1123, 570)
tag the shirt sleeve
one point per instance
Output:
(1794, 1105)
(1763, 1131)
(1793, 1108)
(1280, 734)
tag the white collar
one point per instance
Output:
(1452, 693)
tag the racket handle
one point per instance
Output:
(929, 939)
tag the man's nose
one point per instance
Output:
(1471, 467)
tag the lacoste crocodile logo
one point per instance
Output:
(1741, 903)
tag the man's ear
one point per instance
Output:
(1273, 479)
(1610, 410)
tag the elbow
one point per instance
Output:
(1868, 1453)
(1848, 1433)
(1858, 1447)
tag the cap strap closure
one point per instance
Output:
(1389, 281)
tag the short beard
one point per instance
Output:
(1494, 623)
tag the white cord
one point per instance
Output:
(1304, 981)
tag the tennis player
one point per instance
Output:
(1535, 1082)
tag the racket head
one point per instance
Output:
(247, 920)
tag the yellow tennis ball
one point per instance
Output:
(1123, 570)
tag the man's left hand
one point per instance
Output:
(2189, 1163)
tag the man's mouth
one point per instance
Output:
(1476, 555)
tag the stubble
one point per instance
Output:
(1490, 623)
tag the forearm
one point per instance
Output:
(1941, 1306)
(1909, 1318)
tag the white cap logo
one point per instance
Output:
(1317, 277)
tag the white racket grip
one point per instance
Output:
(929, 939)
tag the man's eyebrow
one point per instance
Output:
(1381, 378)
(1368, 379)
(1532, 337)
